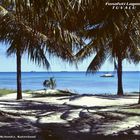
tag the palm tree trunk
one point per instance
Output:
(139, 94)
(119, 74)
(19, 88)
(139, 98)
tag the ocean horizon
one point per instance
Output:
(75, 81)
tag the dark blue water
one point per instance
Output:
(75, 81)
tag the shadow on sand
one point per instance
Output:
(13, 123)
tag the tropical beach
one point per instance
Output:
(69, 70)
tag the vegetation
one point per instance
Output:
(51, 83)
(58, 27)
(28, 34)
(20, 41)
(112, 34)
(6, 91)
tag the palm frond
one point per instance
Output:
(97, 61)
(59, 43)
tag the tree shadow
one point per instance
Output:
(84, 127)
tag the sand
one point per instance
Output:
(96, 115)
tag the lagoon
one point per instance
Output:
(78, 82)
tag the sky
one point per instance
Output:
(8, 64)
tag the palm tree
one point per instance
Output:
(23, 38)
(51, 83)
(139, 93)
(112, 34)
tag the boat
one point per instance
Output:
(107, 75)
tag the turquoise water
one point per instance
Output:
(77, 82)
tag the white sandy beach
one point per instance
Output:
(109, 114)
(79, 100)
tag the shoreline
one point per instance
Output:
(4, 91)
(79, 83)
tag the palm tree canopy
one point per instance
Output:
(16, 35)
(41, 27)
(61, 21)
(111, 32)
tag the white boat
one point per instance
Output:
(107, 75)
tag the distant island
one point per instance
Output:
(32, 71)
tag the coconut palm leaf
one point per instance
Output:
(97, 61)
(114, 30)
(53, 35)
(26, 39)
